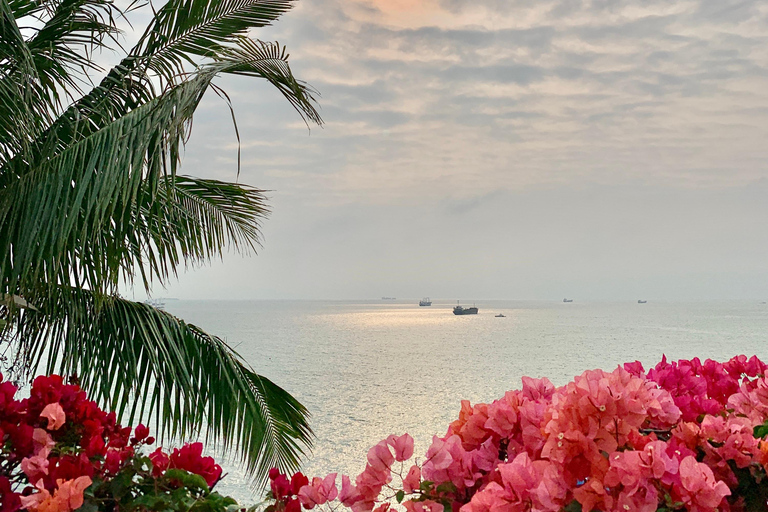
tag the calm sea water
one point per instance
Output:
(369, 369)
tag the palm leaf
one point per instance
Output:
(101, 179)
(185, 377)
(97, 181)
(185, 29)
(34, 73)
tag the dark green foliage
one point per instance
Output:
(90, 196)
(752, 487)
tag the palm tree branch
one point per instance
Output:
(96, 180)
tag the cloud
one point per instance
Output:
(471, 108)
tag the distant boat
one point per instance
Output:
(501, 315)
(567, 300)
(459, 310)
(641, 301)
(425, 302)
(156, 303)
(388, 298)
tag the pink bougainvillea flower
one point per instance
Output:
(54, 413)
(412, 480)
(33, 501)
(700, 491)
(320, 491)
(71, 492)
(423, 506)
(42, 442)
(67, 497)
(402, 445)
(348, 494)
(380, 457)
(35, 467)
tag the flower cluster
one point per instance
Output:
(59, 451)
(685, 435)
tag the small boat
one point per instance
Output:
(425, 302)
(501, 315)
(641, 301)
(156, 303)
(388, 298)
(459, 310)
(567, 300)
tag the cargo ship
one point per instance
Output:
(460, 310)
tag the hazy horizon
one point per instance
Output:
(589, 149)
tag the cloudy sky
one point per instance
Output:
(504, 149)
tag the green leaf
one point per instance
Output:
(760, 431)
(446, 488)
(121, 485)
(400, 495)
(88, 506)
(573, 506)
(187, 479)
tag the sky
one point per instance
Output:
(502, 149)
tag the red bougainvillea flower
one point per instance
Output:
(189, 457)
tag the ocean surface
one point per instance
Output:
(368, 369)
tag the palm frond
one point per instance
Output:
(184, 221)
(22, 114)
(181, 375)
(269, 61)
(50, 213)
(184, 30)
(210, 214)
(64, 44)
(35, 73)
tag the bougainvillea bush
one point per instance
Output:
(60, 452)
(685, 435)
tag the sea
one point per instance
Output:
(368, 369)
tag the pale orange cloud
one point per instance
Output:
(404, 12)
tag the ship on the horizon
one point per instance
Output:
(425, 302)
(156, 303)
(388, 298)
(460, 310)
(641, 301)
(567, 300)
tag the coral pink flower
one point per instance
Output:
(412, 480)
(54, 413)
(35, 467)
(42, 442)
(67, 497)
(402, 445)
(700, 491)
(348, 494)
(320, 491)
(423, 506)
(380, 457)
